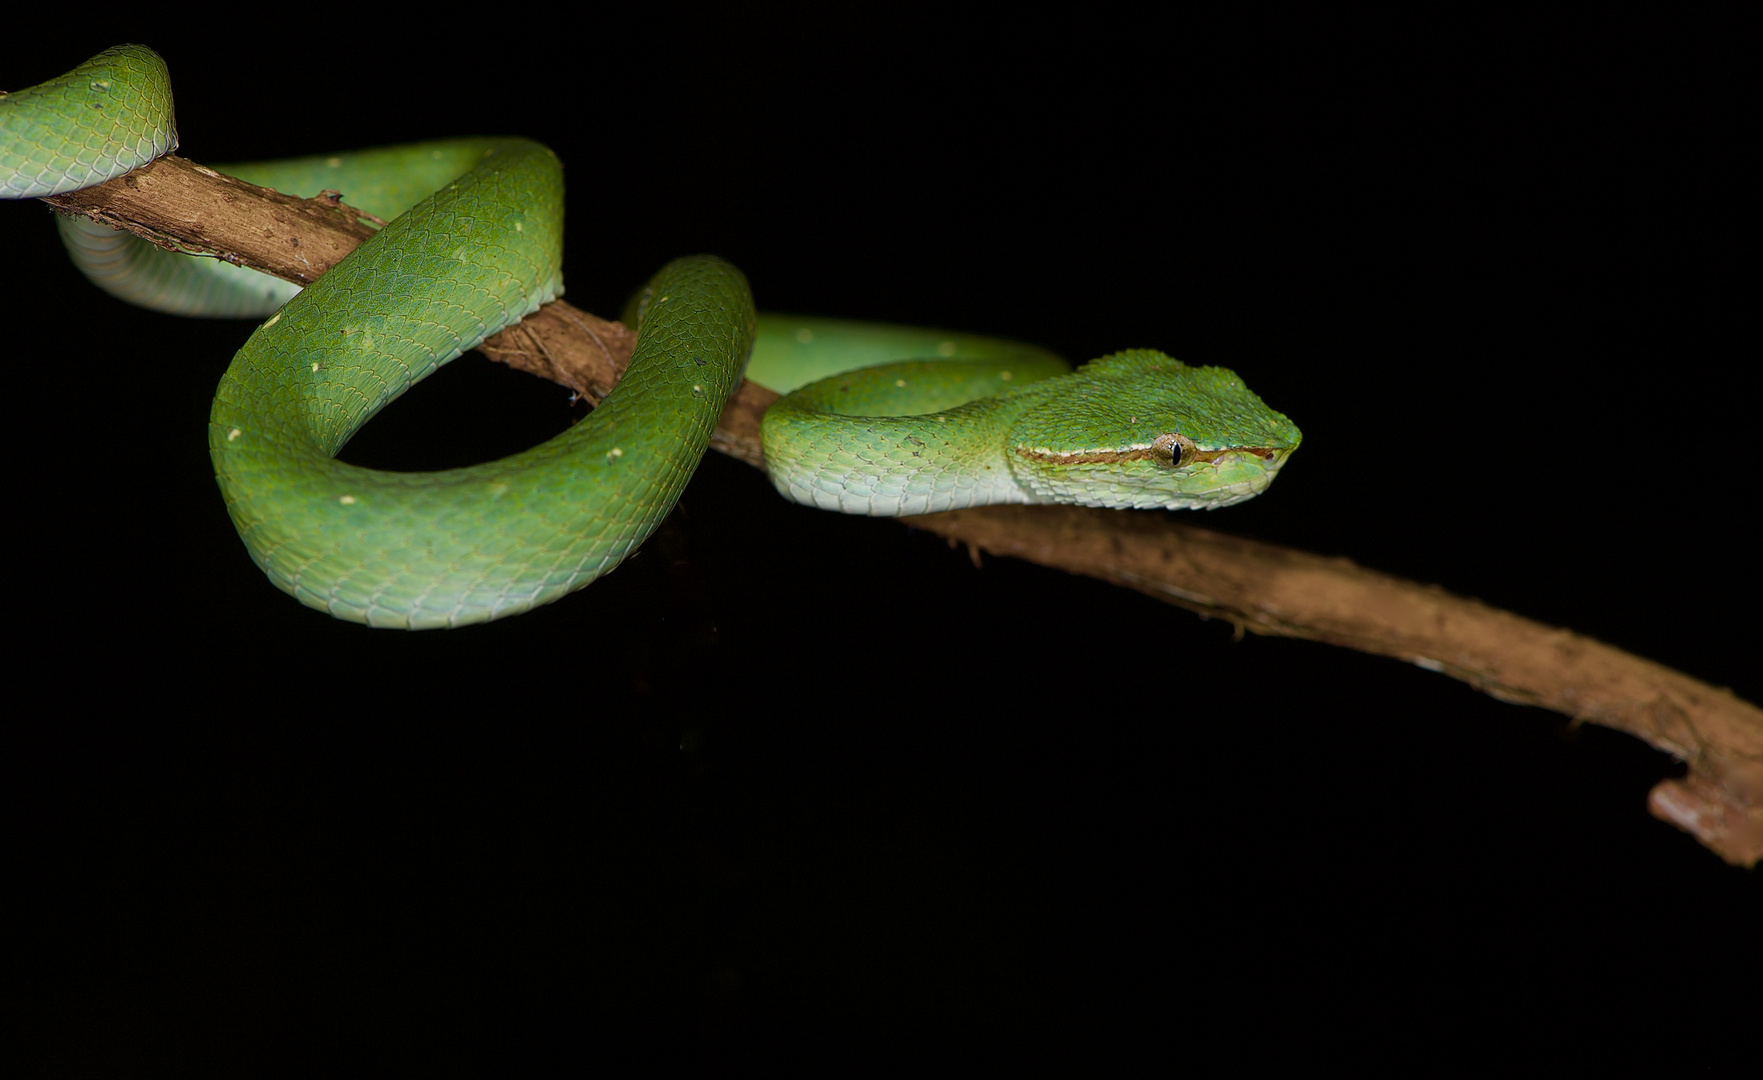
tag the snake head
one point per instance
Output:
(1139, 429)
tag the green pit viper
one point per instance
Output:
(474, 244)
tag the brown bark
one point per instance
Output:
(1260, 587)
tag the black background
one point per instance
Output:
(785, 766)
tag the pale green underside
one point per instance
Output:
(473, 246)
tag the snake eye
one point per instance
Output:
(1173, 450)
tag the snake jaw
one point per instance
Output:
(1147, 480)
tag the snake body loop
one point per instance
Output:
(475, 245)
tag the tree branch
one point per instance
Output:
(1260, 587)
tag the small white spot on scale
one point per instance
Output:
(900, 382)
(315, 365)
(519, 228)
(614, 454)
(273, 319)
(1428, 663)
(233, 434)
(347, 500)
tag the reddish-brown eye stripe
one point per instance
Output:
(1138, 453)
(1261, 452)
(1087, 457)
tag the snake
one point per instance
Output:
(875, 419)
